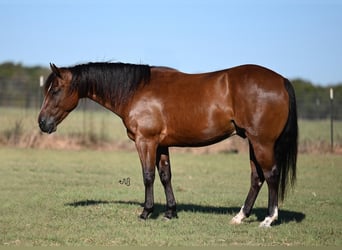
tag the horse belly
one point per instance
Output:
(195, 130)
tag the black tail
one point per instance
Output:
(286, 146)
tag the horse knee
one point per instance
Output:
(148, 178)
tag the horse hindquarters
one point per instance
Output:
(273, 161)
(285, 152)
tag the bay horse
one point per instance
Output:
(162, 107)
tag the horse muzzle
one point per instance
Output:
(47, 125)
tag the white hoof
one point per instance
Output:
(266, 223)
(237, 219)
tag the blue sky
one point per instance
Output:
(297, 38)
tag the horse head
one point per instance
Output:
(60, 98)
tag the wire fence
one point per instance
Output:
(314, 109)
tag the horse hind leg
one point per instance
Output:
(264, 155)
(272, 179)
(164, 170)
(257, 180)
(263, 168)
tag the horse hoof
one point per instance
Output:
(266, 223)
(166, 219)
(235, 221)
(142, 217)
(145, 213)
(170, 215)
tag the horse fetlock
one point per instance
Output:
(171, 212)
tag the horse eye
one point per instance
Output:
(55, 91)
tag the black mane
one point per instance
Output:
(111, 81)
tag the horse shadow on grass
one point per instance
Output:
(285, 216)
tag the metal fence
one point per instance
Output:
(317, 109)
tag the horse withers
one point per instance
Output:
(162, 107)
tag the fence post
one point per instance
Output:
(40, 94)
(332, 119)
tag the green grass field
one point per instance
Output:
(74, 198)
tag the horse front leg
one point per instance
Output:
(164, 170)
(147, 153)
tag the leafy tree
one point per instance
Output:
(19, 85)
(313, 102)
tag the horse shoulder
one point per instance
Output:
(144, 118)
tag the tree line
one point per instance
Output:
(20, 87)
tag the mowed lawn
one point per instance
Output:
(84, 198)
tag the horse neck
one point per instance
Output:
(89, 88)
(101, 101)
(104, 101)
(110, 85)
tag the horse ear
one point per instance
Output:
(55, 70)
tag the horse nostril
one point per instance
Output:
(42, 123)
